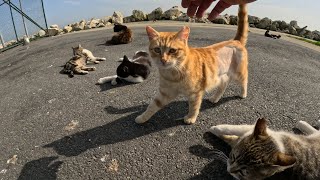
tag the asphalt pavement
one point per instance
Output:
(38, 103)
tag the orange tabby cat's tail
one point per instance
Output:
(242, 32)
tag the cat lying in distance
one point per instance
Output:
(88, 54)
(259, 152)
(267, 34)
(77, 64)
(134, 71)
(124, 35)
(194, 71)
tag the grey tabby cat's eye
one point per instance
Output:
(157, 50)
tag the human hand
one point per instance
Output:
(198, 7)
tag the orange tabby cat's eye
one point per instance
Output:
(172, 51)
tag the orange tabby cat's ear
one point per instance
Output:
(152, 34)
(183, 34)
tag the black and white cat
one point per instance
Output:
(134, 71)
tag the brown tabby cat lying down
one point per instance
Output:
(258, 152)
(193, 71)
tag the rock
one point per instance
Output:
(309, 34)
(233, 20)
(273, 27)
(294, 24)
(105, 20)
(41, 33)
(108, 24)
(67, 29)
(171, 14)
(253, 20)
(78, 26)
(316, 35)
(93, 23)
(283, 25)
(139, 15)
(53, 31)
(128, 19)
(155, 14)
(87, 26)
(292, 30)
(286, 31)
(117, 17)
(183, 17)
(264, 23)
(54, 26)
(220, 20)
(101, 25)
(302, 31)
(275, 24)
(9, 43)
(202, 20)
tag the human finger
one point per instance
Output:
(192, 9)
(219, 8)
(185, 3)
(197, 2)
(203, 7)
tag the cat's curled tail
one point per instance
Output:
(242, 32)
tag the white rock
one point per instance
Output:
(53, 31)
(54, 26)
(67, 29)
(173, 12)
(117, 17)
(41, 33)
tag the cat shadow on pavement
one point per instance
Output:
(43, 168)
(107, 86)
(216, 169)
(124, 128)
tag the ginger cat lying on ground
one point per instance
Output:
(192, 71)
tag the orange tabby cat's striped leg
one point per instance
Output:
(162, 99)
(194, 108)
(224, 81)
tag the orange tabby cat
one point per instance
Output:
(193, 71)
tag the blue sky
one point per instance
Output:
(62, 12)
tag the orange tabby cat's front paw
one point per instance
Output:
(140, 119)
(189, 120)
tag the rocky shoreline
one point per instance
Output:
(176, 14)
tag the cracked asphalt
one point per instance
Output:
(37, 103)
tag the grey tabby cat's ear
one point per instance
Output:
(183, 34)
(152, 34)
(282, 159)
(260, 128)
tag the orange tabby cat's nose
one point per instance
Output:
(163, 61)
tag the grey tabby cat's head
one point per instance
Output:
(77, 50)
(256, 155)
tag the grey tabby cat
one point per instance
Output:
(259, 152)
